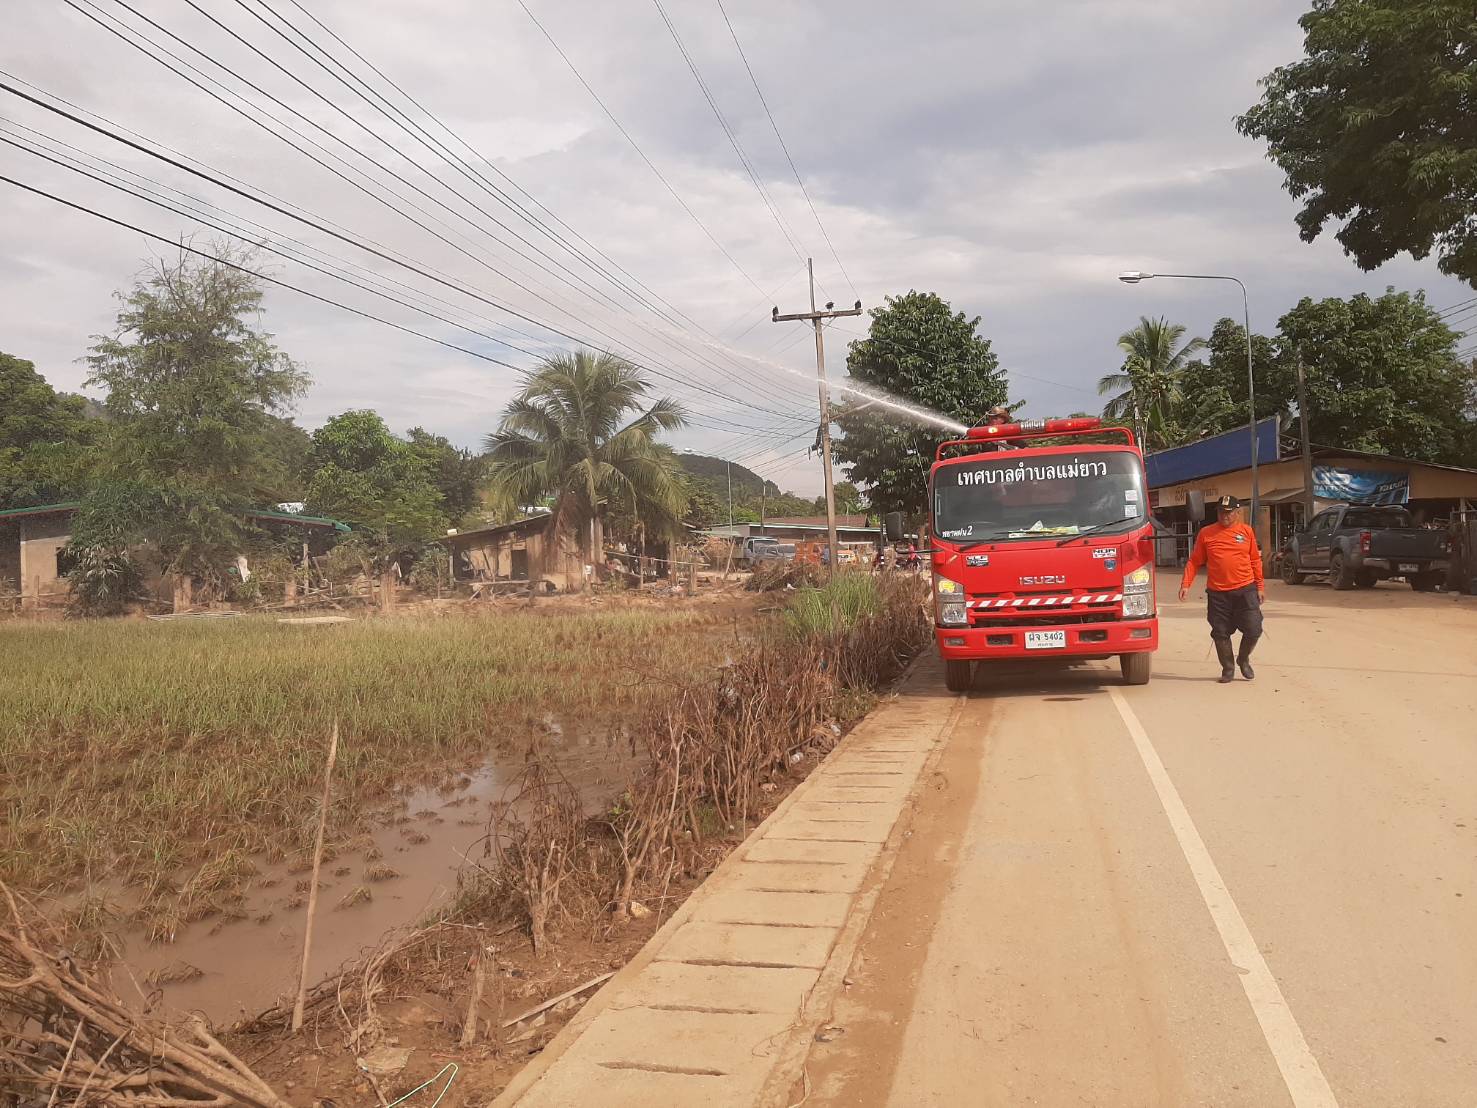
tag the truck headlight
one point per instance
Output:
(953, 615)
(1139, 580)
(1137, 605)
(945, 589)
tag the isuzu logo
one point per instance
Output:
(1049, 580)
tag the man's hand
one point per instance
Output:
(1261, 594)
(1184, 592)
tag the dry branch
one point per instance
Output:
(65, 1030)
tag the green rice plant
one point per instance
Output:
(835, 607)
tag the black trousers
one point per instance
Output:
(1234, 610)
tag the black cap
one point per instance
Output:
(1228, 503)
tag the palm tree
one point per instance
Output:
(568, 435)
(1147, 387)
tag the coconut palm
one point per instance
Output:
(1146, 389)
(570, 435)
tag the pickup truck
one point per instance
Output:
(1358, 544)
(755, 547)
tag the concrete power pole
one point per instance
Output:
(816, 318)
(1309, 504)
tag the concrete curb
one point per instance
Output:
(742, 935)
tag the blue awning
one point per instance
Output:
(1223, 453)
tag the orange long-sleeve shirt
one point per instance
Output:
(1230, 557)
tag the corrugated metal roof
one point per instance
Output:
(1223, 453)
(41, 509)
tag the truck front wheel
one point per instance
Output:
(958, 676)
(1136, 668)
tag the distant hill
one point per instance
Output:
(713, 473)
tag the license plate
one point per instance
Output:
(1046, 640)
(1408, 567)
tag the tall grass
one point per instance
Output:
(130, 749)
(835, 607)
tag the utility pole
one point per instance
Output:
(730, 496)
(762, 483)
(816, 318)
(1309, 506)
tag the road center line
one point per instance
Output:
(1300, 1070)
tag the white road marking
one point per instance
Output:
(1300, 1070)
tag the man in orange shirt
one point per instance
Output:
(1234, 587)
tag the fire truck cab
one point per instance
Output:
(1042, 547)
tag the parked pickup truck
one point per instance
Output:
(1357, 545)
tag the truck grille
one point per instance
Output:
(1038, 610)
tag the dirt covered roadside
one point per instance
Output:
(559, 897)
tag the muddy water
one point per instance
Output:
(249, 964)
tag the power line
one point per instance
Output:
(405, 123)
(255, 273)
(373, 193)
(350, 240)
(635, 146)
(455, 138)
(783, 146)
(727, 130)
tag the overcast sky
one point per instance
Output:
(1011, 156)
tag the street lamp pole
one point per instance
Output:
(1134, 277)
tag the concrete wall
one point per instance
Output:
(41, 538)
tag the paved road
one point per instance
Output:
(1187, 893)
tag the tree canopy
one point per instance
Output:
(1383, 375)
(1377, 127)
(195, 388)
(44, 438)
(919, 350)
(578, 432)
(377, 483)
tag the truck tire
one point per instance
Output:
(958, 676)
(1426, 582)
(1340, 576)
(1290, 574)
(1366, 579)
(1136, 667)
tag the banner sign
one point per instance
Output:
(1365, 486)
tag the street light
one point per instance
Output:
(1134, 276)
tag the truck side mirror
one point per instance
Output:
(892, 522)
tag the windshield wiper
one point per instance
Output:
(1091, 531)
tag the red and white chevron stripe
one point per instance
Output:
(1046, 601)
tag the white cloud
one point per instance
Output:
(1011, 156)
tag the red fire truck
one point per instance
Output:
(1043, 547)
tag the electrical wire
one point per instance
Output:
(728, 131)
(373, 193)
(253, 272)
(352, 241)
(635, 146)
(785, 147)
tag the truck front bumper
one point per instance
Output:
(1008, 641)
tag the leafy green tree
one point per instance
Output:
(704, 509)
(1145, 391)
(571, 434)
(45, 438)
(457, 474)
(193, 384)
(919, 350)
(1376, 127)
(1382, 375)
(375, 482)
(849, 500)
(1213, 388)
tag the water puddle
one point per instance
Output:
(229, 968)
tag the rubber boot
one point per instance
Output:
(1243, 656)
(1228, 659)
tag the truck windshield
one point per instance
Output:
(1006, 498)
